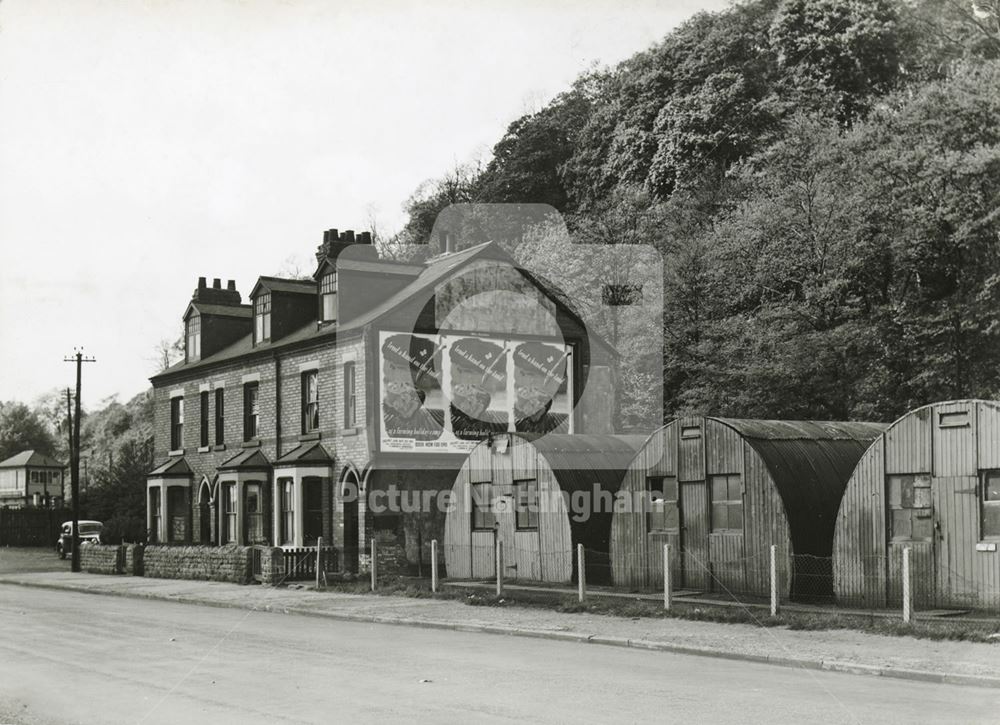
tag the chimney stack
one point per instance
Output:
(216, 283)
(202, 284)
(347, 237)
(231, 285)
(365, 237)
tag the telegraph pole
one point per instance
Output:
(69, 432)
(79, 359)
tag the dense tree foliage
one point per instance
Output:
(23, 429)
(822, 179)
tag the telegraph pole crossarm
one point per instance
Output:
(79, 359)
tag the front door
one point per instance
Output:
(956, 513)
(503, 505)
(694, 535)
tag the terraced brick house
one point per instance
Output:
(298, 413)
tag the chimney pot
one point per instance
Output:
(347, 237)
(202, 284)
(365, 237)
(231, 285)
(216, 283)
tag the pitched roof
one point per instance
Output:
(30, 458)
(175, 467)
(306, 453)
(206, 308)
(277, 284)
(431, 274)
(250, 459)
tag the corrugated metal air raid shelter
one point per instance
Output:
(722, 491)
(540, 496)
(931, 483)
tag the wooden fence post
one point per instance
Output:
(581, 573)
(319, 558)
(774, 580)
(906, 584)
(434, 565)
(667, 584)
(374, 566)
(499, 568)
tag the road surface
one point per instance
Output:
(67, 657)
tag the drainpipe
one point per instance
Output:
(277, 406)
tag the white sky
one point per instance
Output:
(145, 144)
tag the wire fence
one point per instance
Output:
(772, 578)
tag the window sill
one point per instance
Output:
(220, 447)
(313, 436)
(253, 443)
(178, 452)
(204, 449)
(664, 532)
(349, 432)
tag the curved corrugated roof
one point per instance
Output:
(810, 463)
(579, 461)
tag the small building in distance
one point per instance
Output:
(722, 491)
(31, 479)
(540, 496)
(930, 483)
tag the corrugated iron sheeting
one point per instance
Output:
(811, 463)
(578, 462)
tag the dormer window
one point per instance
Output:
(262, 318)
(194, 338)
(328, 297)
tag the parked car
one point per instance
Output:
(90, 533)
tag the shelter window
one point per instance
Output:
(328, 297)
(663, 512)
(954, 419)
(727, 503)
(194, 338)
(991, 504)
(483, 516)
(526, 513)
(690, 431)
(310, 401)
(910, 517)
(204, 418)
(262, 318)
(176, 423)
(229, 512)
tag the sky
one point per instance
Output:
(145, 144)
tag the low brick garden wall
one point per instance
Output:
(228, 563)
(102, 559)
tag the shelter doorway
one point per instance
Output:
(694, 535)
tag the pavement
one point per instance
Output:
(964, 663)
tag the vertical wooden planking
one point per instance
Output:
(728, 566)
(458, 528)
(908, 443)
(954, 439)
(859, 570)
(988, 423)
(555, 536)
(483, 554)
(691, 449)
(723, 448)
(694, 519)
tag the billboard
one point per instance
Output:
(445, 393)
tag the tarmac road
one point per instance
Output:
(67, 657)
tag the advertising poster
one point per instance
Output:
(412, 400)
(445, 393)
